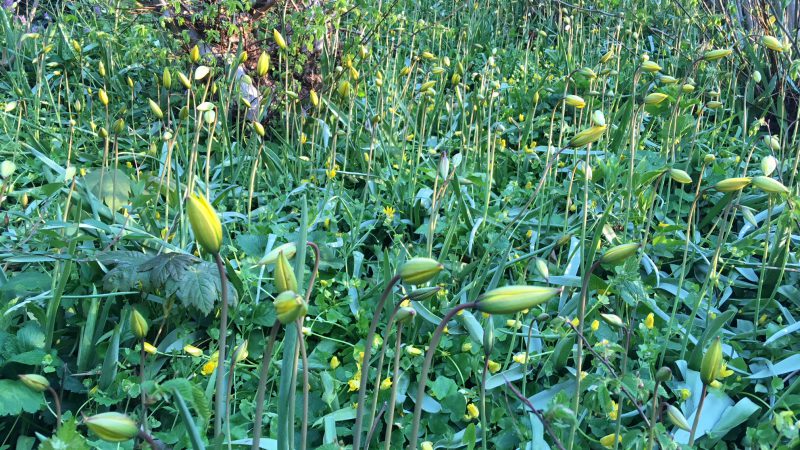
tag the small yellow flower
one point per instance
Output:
(521, 358)
(685, 393)
(386, 383)
(150, 348)
(609, 440)
(353, 384)
(192, 350)
(472, 412)
(514, 324)
(614, 413)
(649, 321)
(428, 445)
(466, 347)
(209, 367)
(493, 366)
(595, 325)
(724, 372)
(334, 362)
(389, 211)
(715, 384)
(575, 322)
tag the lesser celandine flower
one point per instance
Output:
(649, 321)
(771, 43)
(419, 270)
(595, 325)
(512, 299)
(386, 383)
(712, 362)
(733, 184)
(334, 362)
(112, 426)
(205, 223)
(493, 366)
(472, 412)
(36, 382)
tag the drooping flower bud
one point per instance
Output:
(618, 255)
(103, 96)
(587, 136)
(240, 353)
(650, 66)
(712, 362)
(192, 350)
(184, 80)
(769, 185)
(677, 418)
(289, 306)
(655, 98)
(663, 374)
(205, 223)
(405, 314)
(422, 294)
(679, 176)
(773, 142)
(598, 118)
(612, 319)
(155, 109)
(576, 101)
(289, 249)
(112, 426)
(714, 55)
(285, 279)
(36, 382)
(419, 270)
(768, 165)
(139, 324)
(733, 184)
(772, 43)
(513, 299)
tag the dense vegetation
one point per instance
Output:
(401, 224)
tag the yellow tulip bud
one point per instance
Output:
(419, 270)
(714, 55)
(733, 184)
(205, 223)
(612, 319)
(576, 101)
(112, 426)
(289, 307)
(650, 66)
(184, 80)
(279, 39)
(166, 78)
(263, 64)
(192, 350)
(240, 352)
(587, 136)
(103, 96)
(607, 56)
(36, 382)
(139, 324)
(285, 279)
(194, 54)
(655, 98)
(677, 418)
(768, 165)
(513, 299)
(769, 185)
(609, 440)
(149, 348)
(772, 43)
(712, 362)
(617, 255)
(680, 176)
(155, 109)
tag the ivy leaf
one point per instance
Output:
(15, 398)
(66, 438)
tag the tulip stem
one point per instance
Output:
(651, 438)
(219, 399)
(302, 345)
(579, 356)
(262, 385)
(145, 436)
(379, 375)
(484, 424)
(362, 389)
(393, 396)
(57, 404)
(426, 366)
(697, 414)
(141, 387)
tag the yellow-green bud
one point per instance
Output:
(714, 104)
(613, 320)
(677, 418)
(155, 109)
(112, 426)
(405, 314)
(166, 78)
(513, 299)
(279, 39)
(773, 143)
(422, 294)
(587, 73)
(103, 133)
(118, 126)
(607, 56)
(618, 255)
(757, 76)
(194, 54)
(289, 307)
(598, 118)
(205, 223)
(240, 352)
(36, 382)
(101, 69)
(139, 324)
(714, 55)
(288, 249)
(680, 176)
(650, 66)
(772, 43)
(285, 280)
(769, 185)
(709, 158)
(184, 80)
(419, 270)
(259, 129)
(263, 64)
(655, 98)
(103, 96)
(576, 101)
(712, 362)
(314, 97)
(687, 88)
(768, 165)
(587, 136)
(732, 184)
(343, 88)
(663, 374)
(192, 350)
(183, 114)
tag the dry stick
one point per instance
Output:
(538, 413)
(423, 376)
(219, 401)
(362, 389)
(614, 374)
(262, 386)
(393, 396)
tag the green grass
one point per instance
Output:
(442, 130)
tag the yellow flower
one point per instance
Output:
(724, 372)
(386, 383)
(649, 321)
(515, 324)
(609, 440)
(353, 384)
(334, 362)
(575, 322)
(685, 393)
(150, 348)
(614, 413)
(521, 358)
(209, 367)
(389, 211)
(413, 351)
(595, 325)
(466, 347)
(493, 366)
(472, 412)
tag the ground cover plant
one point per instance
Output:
(403, 224)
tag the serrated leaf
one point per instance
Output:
(198, 288)
(66, 438)
(168, 267)
(16, 398)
